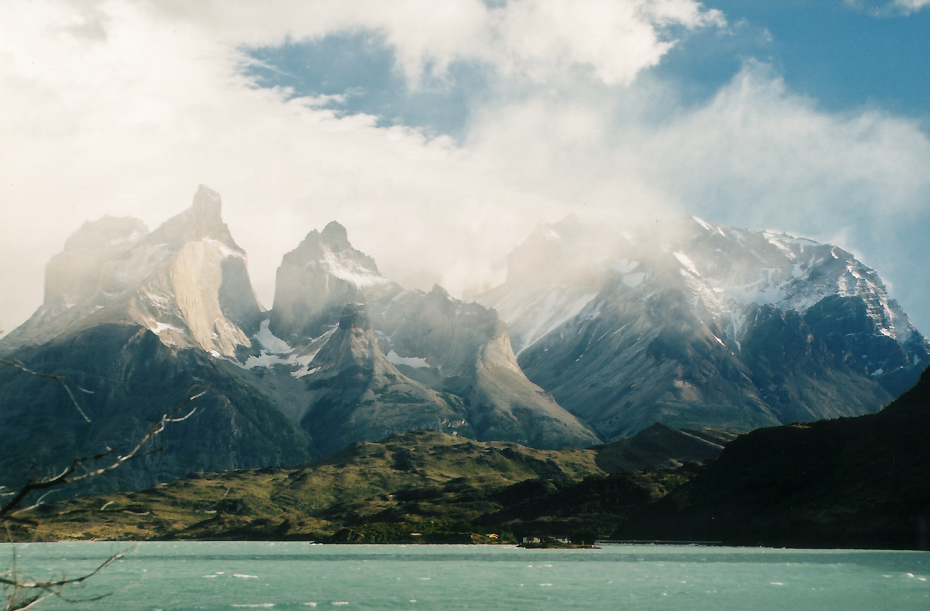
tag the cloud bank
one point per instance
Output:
(122, 108)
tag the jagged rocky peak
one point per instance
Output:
(355, 393)
(352, 345)
(197, 289)
(315, 281)
(354, 317)
(73, 274)
(330, 252)
(336, 237)
(187, 281)
(203, 220)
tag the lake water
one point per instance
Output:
(208, 575)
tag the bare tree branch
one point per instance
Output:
(63, 380)
(70, 476)
(21, 593)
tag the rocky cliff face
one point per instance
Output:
(464, 348)
(431, 341)
(136, 320)
(355, 393)
(317, 279)
(697, 325)
(187, 282)
(690, 325)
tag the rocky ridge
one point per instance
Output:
(693, 324)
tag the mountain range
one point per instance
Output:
(689, 325)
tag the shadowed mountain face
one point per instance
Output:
(353, 392)
(123, 379)
(139, 318)
(696, 325)
(850, 482)
(694, 328)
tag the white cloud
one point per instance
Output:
(909, 6)
(759, 153)
(892, 7)
(615, 38)
(123, 108)
(755, 155)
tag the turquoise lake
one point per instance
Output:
(209, 575)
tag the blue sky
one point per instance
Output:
(452, 128)
(842, 56)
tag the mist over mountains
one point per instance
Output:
(687, 324)
(693, 324)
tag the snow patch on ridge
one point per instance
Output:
(633, 280)
(276, 351)
(351, 271)
(409, 361)
(159, 327)
(533, 314)
(269, 341)
(686, 261)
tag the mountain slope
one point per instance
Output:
(422, 486)
(124, 379)
(354, 392)
(694, 325)
(850, 482)
(464, 349)
(137, 319)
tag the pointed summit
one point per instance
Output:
(691, 324)
(207, 199)
(203, 219)
(354, 317)
(318, 278)
(207, 209)
(336, 237)
(187, 282)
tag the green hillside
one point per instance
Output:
(442, 487)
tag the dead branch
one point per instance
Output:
(23, 594)
(70, 473)
(63, 380)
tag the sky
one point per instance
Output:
(441, 133)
